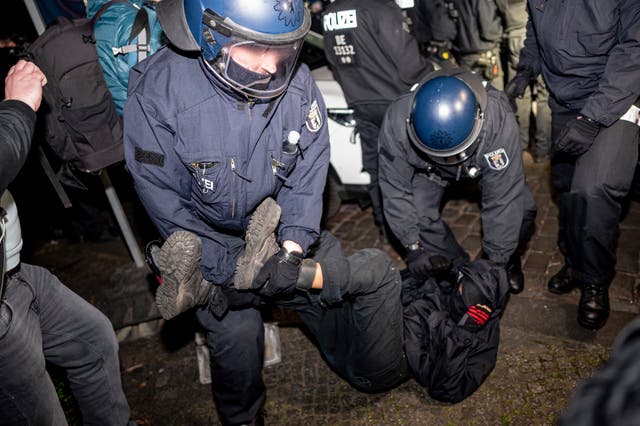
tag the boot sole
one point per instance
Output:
(179, 260)
(261, 226)
(592, 325)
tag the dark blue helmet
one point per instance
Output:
(447, 115)
(251, 45)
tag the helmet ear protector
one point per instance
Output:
(447, 114)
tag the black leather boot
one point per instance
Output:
(593, 310)
(561, 282)
(514, 273)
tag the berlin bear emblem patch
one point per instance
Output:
(314, 118)
(497, 159)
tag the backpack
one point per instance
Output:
(125, 34)
(82, 127)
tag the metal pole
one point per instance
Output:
(36, 17)
(114, 201)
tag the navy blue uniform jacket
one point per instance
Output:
(202, 159)
(588, 52)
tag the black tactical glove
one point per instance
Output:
(518, 84)
(279, 275)
(422, 265)
(577, 136)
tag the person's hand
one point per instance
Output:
(24, 82)
(518, 84)
(577, 136)
(279, 275)
(422, 265)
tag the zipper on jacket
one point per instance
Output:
(233, 188)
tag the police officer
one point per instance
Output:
(450, 128)
(213, 126)
(536, 97)
(374, 58)
(588, 54)
(473, 29)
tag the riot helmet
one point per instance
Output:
(447, 113)
(251, 45)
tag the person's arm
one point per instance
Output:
(23, 94)
(301, 196)
(619, 88)
(395, 176)
(502, 187)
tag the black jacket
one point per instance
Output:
(371, 52)
(17, 122)
(450, 361)
(588, 52)
(479, 26)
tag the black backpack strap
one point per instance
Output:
(140, 29)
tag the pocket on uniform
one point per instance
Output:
(206, 179)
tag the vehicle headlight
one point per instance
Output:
(342, 116)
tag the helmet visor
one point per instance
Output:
(256, 69)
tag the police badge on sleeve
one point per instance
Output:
(497, 159)
(314, 119)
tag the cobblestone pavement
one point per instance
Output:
(543, 353)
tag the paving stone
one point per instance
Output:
(543, 243)
(549, 227)
(467, 220)
(537, 262)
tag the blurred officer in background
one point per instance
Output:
(588, 53)
(535, 100)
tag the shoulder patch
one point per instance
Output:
(314, 118)
(497, 159)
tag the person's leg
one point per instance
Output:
(601, 182)
(523, 115)
(27, 395)
(435, 235)
(357, 317)
(79, 338)
(368, 126)
(236, 346)
(562, 168)
(542, 139)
